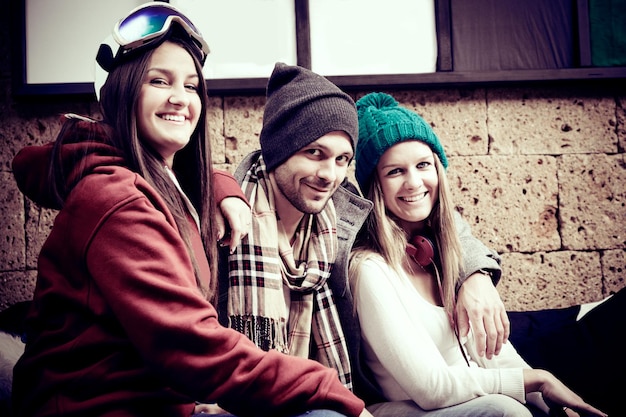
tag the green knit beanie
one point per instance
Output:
(382, 124)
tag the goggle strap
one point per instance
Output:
(167, 25)
(108, 60)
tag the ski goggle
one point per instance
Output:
(148, 23)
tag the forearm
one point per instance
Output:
(225, 185)
(534, 379)
(476, 256)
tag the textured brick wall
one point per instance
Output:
(538, 172)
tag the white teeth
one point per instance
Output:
(414, 198)
(173, 118)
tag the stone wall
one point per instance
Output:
(538, 171)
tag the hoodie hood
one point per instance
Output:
(85, 146)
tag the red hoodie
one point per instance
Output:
(118, 326)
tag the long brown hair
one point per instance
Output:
(192, 164)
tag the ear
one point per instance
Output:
(421, 249)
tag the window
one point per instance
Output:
(358, 44)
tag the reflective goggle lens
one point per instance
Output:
(149, 22)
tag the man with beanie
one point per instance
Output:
(286, 284)
(278, 286)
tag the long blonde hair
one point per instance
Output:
(383, 236)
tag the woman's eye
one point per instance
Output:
(191, 87)
(158, 81)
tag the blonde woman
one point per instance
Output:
(404, 272)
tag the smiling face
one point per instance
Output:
(409, 183)
(169, 105)
(308, 179)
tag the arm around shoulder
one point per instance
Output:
(476, 255)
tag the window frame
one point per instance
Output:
(444, 77)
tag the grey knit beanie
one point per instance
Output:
(301, 107)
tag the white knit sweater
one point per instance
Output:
(413, 352)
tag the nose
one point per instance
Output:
(179, 96)
(413, 179)
(327, 170)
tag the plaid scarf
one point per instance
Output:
(278, 295)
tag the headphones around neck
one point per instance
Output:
(421, 249)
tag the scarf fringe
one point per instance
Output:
(265, 332)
